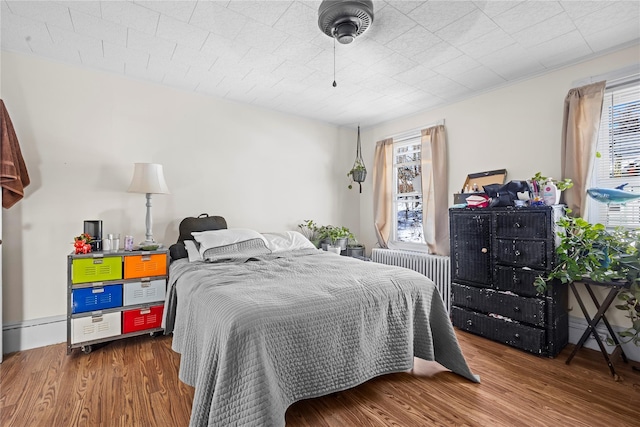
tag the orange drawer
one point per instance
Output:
(136, 266)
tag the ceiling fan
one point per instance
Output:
(344, 21)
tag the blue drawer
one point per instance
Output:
(97, 298)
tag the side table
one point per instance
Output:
(614, 288)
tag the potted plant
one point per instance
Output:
(309, 229)
(332, 236)
(562, 185)
(358, 173)
(323, 236)
(591, 251)
(355, 248)
(538, 182)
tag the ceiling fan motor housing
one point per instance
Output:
(345, 20)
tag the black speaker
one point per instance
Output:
(94, 229)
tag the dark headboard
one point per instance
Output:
(202, 222)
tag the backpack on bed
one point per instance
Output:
(202, 222)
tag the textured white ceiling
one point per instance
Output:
(416, 55)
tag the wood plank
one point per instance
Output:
(135, 382)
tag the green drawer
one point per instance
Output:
(86, 270)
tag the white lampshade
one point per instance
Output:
(149, 179)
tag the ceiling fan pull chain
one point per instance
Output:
(334, 63)
(344, 21)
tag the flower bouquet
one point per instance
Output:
(82, 243)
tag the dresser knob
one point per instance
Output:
(484, 250)
(517, 253)
(469, 323)
(516, 225)
(468, 297)
(516, 309)
(517, 336)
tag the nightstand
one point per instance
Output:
(114, 295)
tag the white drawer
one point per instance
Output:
(95, 327)
(144, 292)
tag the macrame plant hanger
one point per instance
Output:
(359, 171)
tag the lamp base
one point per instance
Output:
(149, 245)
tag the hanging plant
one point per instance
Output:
(358, 172)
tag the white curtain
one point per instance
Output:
(382, 190)
(435, 187)
(580, 125)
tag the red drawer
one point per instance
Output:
(140, 319)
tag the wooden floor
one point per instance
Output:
(134, 382)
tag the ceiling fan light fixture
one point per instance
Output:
(345, 32)
(345, 20)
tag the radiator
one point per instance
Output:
(435, 267)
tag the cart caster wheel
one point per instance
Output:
(86, 349)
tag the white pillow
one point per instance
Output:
(245, 249)
(217, 238)
(287, 241)
(192, 251)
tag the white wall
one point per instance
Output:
(82, 130)
(517, 128)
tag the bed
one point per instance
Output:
(264, 322)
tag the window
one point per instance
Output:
(619, 161)
(407, 193)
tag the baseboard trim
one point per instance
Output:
(578, 325)
(33, 333)
(53, 330)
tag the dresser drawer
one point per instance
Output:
(137, 266)
(517, 280)
(144, 291)
(98, 269)
(523, 253)
(141, 319)
(515, 334)
(523, 309)
(96, 298)
(91, 328)
(521, 225)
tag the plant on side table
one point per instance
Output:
(309, 229)
(355, 248)
(326, 235)
(591, 251)
(338, 237)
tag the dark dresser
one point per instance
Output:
(496, 253)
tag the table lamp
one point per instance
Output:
(148, 179)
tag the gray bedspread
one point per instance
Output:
(257, 336)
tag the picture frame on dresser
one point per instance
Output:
(114, 295)
(496, 254)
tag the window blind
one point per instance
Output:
(619, 161)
